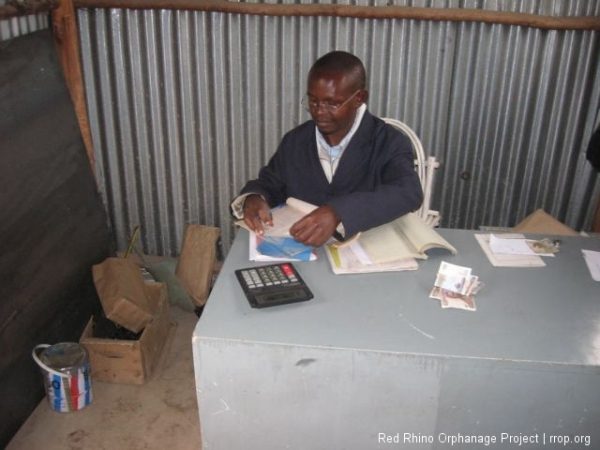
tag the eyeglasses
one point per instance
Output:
(312, 105)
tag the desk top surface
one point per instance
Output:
(546, 314)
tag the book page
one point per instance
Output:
(300, 205)
(406, 237)
(343, 260)
(385, 244)
(284, 216)
(421, 235)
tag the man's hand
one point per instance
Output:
(257, 213)
(315, 228)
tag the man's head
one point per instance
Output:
(336, 89)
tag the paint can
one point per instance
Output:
(66, 372)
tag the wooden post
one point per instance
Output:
(596, 224)
(66, 39)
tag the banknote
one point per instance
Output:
(449, 299)
(455, 287)
(453, 278)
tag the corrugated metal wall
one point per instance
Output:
(186, 106)
(18, 26)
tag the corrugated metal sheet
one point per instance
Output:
(186, 106)
(18, 26)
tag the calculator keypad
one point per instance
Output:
(269, 276)
(273, 284)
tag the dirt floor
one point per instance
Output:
(162, 414)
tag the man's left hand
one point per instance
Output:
(316, 228)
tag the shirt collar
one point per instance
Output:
(333, 153)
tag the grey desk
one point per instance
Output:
(372, 362)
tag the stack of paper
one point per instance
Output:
(508, 251)
(352, 258)
(276, 244)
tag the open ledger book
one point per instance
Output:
(389, 247)
(351, 258)
(406, 237)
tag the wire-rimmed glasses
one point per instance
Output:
(313, 105)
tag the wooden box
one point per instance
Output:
(131, 362)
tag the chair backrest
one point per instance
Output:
(425, 167)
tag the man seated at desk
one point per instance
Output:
(357, 169)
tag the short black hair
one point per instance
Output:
(344, 62)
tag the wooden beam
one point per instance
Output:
(362, 12)
(66, 39)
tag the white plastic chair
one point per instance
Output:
(425, 168)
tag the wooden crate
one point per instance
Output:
(131, 362)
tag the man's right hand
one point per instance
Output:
(257, 213)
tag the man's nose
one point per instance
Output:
(320, 109)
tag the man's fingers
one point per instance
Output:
(301, 231)
(254, 224)
(309, 233)
(266, 216)
(315, 228)
(257, 213)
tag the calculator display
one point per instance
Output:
(274, 284)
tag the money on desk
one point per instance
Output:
(455, 287)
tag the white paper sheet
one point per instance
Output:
(508, 260)
(510, 246)
(592, 259)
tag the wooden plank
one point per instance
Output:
(66, 39)
(113, 360)
(153, 341)
(131, 362)
(197, 261)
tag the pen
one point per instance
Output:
(338, 237)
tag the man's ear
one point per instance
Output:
(363, 96)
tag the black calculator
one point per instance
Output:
(274, 284)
